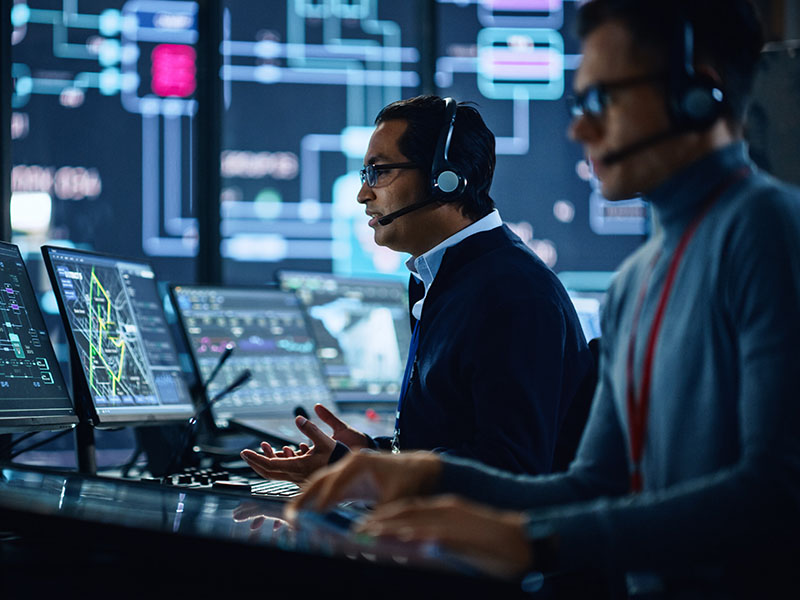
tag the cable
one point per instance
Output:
(10, 445)
(40, 443)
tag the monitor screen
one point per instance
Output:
(267, 330)
(33, 395)
(117, 330)
(362, 330)
(588, 305)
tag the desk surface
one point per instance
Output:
(67, 526)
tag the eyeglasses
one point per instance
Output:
(593, 101)
(369, 173)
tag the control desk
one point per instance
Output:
(62, 531)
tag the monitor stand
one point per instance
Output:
(85, 448)
(5, 446)
(84, 431)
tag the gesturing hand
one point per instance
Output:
(296, 466)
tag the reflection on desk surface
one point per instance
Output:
(144, 506)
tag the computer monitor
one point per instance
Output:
(362, 330)
(269, 335)
(588, 305)
(33, 394)
(125, 366)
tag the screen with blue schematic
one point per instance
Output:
(516, 60)
(33, 394)
(103, 113)
(104, 116)
(119, 337)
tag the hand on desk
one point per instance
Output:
(371, 476)
(490, 540)
(298, 465)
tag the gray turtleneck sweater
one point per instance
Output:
(721, 463)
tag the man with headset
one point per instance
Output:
(497, 352)
(687, 479)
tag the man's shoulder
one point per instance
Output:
(501, 264)
(497, 248)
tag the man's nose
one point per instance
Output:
(365, 194)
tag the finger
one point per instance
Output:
(314, 433)
(330, 419)
(303, 449)
(267, 449)
(288, 452)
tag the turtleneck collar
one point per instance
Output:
(677, 200)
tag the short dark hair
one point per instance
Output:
(728, 36)
(471, 147)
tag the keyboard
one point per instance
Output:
(218, 480)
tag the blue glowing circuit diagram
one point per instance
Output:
(103, 111)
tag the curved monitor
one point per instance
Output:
(362, 330)
(33, 395)
(128, 372)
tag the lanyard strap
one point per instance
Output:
(409, 373)
(638, 407)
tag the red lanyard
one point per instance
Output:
(638, 407)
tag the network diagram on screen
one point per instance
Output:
(302, 81)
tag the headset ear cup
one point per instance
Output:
(447, 181)
(702, 102)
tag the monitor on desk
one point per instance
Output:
(588, 305)
(125, 366)
(269, 336)
(362, 330)
(33, 395)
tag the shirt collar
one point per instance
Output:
(425, 266)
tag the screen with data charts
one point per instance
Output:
(33, 395)
(268, 335)
(119, 336)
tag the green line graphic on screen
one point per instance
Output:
(100, 307)
(107, 335)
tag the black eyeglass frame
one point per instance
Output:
(369, 173)
(593, 100)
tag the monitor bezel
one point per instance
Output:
(81, 393)
(32, 423)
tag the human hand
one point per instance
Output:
(258, 513)
(371, 476)
(342, 432)
(490, 540)
(291, 465)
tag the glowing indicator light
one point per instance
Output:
(173, 71)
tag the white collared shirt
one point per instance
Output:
(425, 266)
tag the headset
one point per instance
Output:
(446, 181)
(447, 184)
(695, 100)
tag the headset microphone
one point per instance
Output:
(386, 219)
(616, 156)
